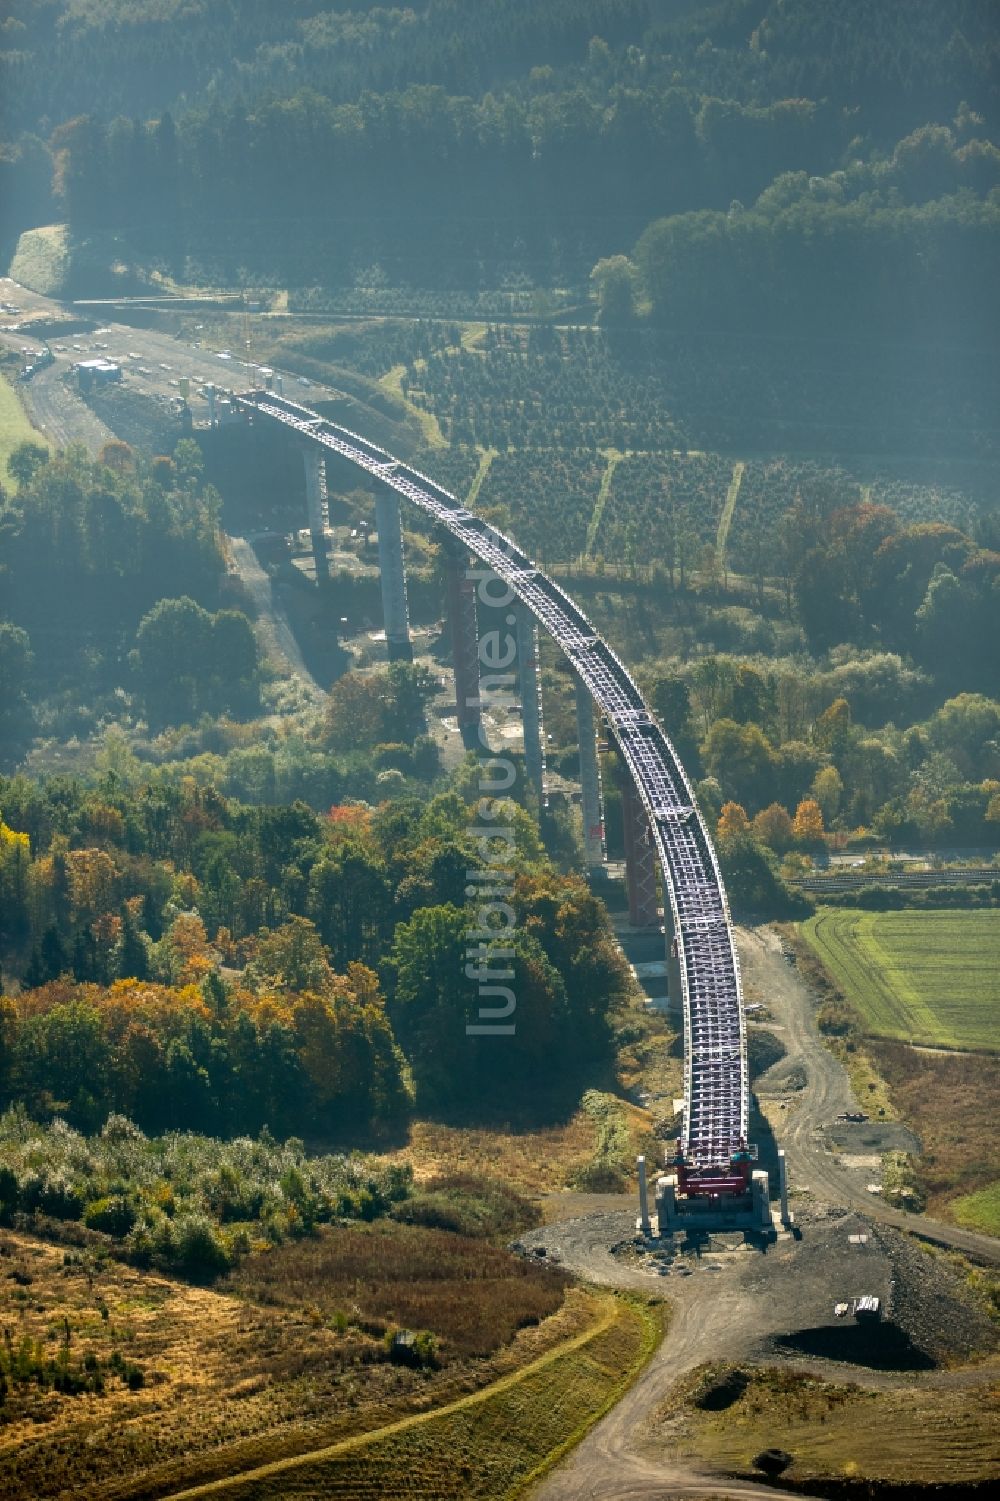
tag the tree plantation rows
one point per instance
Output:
(547, 388)
(663, 508)
(549, 497)
(650, 391)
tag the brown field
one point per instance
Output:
(540, 1160)
(228, 1381)
(941, 1431)
(532, 1161)
(473, 1296)
(952, 1101)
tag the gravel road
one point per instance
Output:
(274, 635)
(57, 411)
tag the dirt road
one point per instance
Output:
(60, 414)
(274, 635)
(613, 1462)
(725, 1310)
(827, 1094)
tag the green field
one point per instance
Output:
(14, 427)
(923, 977)
(980, 1210)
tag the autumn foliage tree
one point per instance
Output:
(807, 825)
(732, 821)
(773, 827)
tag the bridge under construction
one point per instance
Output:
(712, 1182)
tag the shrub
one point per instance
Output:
(8, 1190)
(469, 1206)
(139, 1246)
(113, 1215)
(200, 1252)
(62, 1199)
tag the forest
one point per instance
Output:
(194, 961)
(564, 131)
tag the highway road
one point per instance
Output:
(153, 363)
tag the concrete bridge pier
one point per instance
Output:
(591, 792)
(674, 1004)
(530, 689)
(390, 561)
(317, 509)
(460, 599)
(640, 860)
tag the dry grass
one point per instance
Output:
(533, 1162)
(530, 1161)
(943, 1431)
(231, 1383)
(547, 1159)
(473, 1296)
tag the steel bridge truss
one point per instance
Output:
(716, 1088)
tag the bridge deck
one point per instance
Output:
(716, 1090)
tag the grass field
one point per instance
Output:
(489, 1446)
(931, 978)
(530, 1161)
(14, 428)
(41, 260)
(980, 1211)
(838, 1430)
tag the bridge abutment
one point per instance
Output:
(679, 1214)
